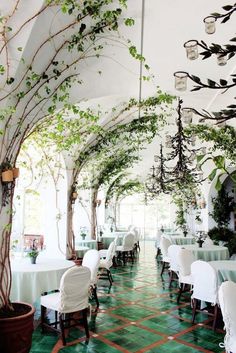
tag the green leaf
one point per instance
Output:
(223, 82)
(227, 7)
(211, 83)
(218, 185)
(200, 157)
(219, 161)
(212, 175)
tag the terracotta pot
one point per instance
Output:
(16, 332)
(16, 172)
(7, 176)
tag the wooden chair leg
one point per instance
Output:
(43, 314)
(109, 277)
(94, 291)
(194, 303)
(163, 267)
(138, 246)
(62, 328)
(171, 277)
(85, 323)
(215, 317)
(124, 261)
(180, 292)
(158, 252)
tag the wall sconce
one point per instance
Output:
(210, 24)
(191, 47)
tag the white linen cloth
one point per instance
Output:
(30, 281)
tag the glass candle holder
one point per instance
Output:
(191, 49)
(180, 80)
(221, 60)
(210, 24)
(187, 115)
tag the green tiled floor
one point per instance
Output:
(139, 313)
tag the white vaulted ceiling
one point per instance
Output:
(167, 25)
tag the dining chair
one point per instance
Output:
(91, 260)
(106, 262)
(127, 247)
(71, 298)
(204, 289)
(185, 258)
(136, 239)
(227, 300)
(172, 252)
(208, 241)
(157, 243)
(164, 245)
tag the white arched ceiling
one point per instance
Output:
(167, 25)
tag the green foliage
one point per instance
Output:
(122, 187)
(223, 139)
(226, 235)
(223, 205)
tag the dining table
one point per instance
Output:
(108, 238)
(90, 243)
(182, 240)
(225, 270)
(208, 252)
(30, 281)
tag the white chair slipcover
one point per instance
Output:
(208, 241)
(204, 286)
(172, 252)
(227, 299)
(91, 260)
(106, 260)
(164, 245)
(71, 297)
(127, 245)
(185, 258)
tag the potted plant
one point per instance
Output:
(33, 252)
(223, 205)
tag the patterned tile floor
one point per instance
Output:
(137, 314)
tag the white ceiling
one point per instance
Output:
(167, 25)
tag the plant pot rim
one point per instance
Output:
(30, 312)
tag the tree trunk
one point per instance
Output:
(94, 213)
(5, 268)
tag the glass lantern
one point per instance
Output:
(187, 115)
(181, 80)
(191, 49)
(221, 60)
(210, 24)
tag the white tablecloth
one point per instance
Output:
(30, 281)
(209, 252)
(90, 243)
(181, 240)
(226, 270)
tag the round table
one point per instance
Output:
(108, 239)
(226, 270)
(90, 243)
(30, 281)
(80, 251)
(181, 240)
(209, 252)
